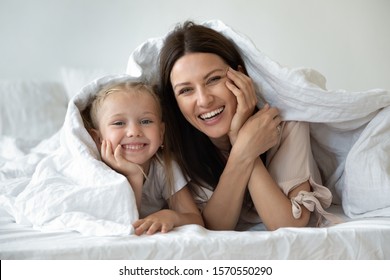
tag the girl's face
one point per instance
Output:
(198, 81)
(131, 120)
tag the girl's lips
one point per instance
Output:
(212, 114)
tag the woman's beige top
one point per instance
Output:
(290, 164)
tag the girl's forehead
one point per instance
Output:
(137, 100)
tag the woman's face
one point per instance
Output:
(199, 85)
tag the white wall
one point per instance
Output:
(348, 41)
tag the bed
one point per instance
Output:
(38, 117)
(364, 239)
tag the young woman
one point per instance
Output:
(252, 166)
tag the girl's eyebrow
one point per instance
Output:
(205, 77)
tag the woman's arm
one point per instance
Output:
(183, 212)
(222, 210)
(257, 135)
(249, 136)
(272, 205)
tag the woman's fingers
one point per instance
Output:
(260, 132)
(242, 87)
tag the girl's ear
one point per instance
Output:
(95, 136)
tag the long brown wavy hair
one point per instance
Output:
(195, 153)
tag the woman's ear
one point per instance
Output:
(240, 68)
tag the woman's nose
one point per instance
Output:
(204, 98)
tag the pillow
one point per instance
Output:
(75, 79)
(31, 110)
(366, 190)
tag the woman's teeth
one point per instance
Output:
(211, 114)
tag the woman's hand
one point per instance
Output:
(259, 133)
(242, 87)
(163, 221)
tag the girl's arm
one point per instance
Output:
(183, 212)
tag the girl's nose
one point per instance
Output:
(133, 130)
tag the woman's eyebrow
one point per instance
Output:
(181, 84)
(205, 77)
(216, 70)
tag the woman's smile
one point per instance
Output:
(212, 114)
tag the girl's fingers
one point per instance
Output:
(154, 227)
(105, 148)
(148, 227)
(118, 153)
(140, 226)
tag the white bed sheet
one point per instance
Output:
(367, 239)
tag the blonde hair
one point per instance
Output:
(127, 87)
(89, 115)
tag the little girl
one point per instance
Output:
(125, 121)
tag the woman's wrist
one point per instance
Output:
(241, 156)
(240, 166)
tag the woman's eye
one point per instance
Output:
(214, 79)
(184, 90)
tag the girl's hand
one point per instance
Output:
(116, 161)
(163, 221)
(259, 133)
(242, 87)
(132, 171)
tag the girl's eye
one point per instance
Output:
(118, 123)
(146, 122)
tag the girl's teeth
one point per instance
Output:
(133, 147)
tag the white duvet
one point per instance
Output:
(62, 185)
